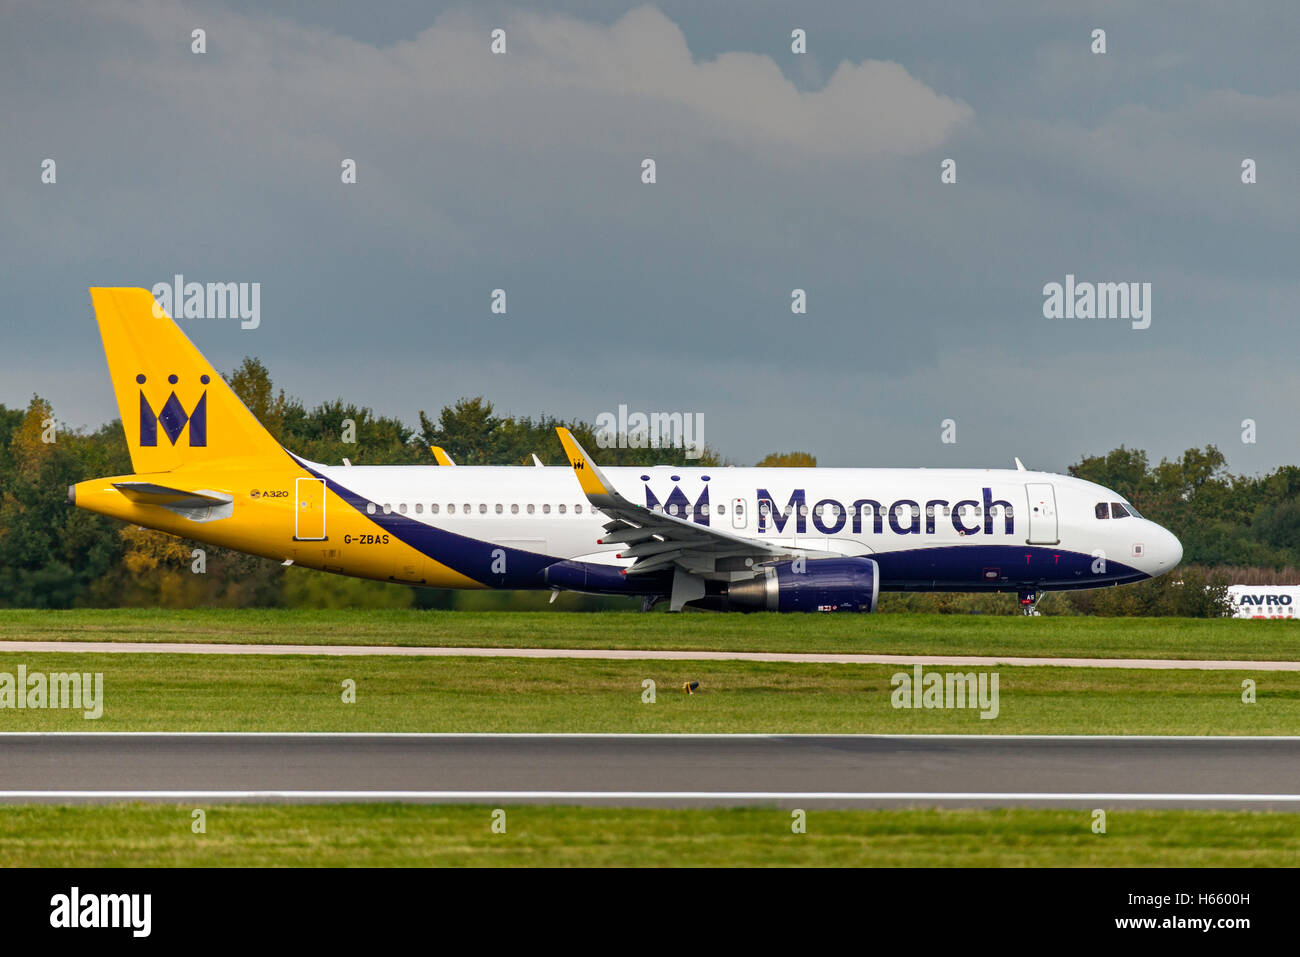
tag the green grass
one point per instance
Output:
(454, 694)
(445, 835)
(894, 634)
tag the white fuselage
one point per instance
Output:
(941, 529)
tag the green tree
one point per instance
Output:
(788, 460)
(252, 383)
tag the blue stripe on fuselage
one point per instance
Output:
(472, 557)
(964, 568)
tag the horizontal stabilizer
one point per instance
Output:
(147, 493)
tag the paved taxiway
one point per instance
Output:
(618, 654)
(678, 770)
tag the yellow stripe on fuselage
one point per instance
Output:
(263, 521)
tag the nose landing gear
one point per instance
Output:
(1029, 603)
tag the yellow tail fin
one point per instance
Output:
(175, 409)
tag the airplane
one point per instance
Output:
(720, 538)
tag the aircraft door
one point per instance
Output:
(1042, 514)
(309, 510)
(738, 516)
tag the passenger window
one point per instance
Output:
(740, 508)
(388, 509)
(561, 508)
(546, 510)
(531, 508)
(451, 509)
(433, 509)
(577, 510)
(402, 508)
(482, 508)
(722, 510)
(1118, 511)
(514, 509)
(370, 508)
(419, 508)
(1102, 510)
(500, 508)
(467, 510)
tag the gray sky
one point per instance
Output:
(775, 171)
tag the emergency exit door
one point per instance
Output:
(1042, 514)
(309, 502)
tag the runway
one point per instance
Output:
(613, 654)
(657, 770)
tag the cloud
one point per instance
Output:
(641, 61)
(864, 108)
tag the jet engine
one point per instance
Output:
(812, 584)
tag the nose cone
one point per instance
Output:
(1166, 551)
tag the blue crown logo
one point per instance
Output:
(173, 418)
(678, 504)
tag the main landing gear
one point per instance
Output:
(1029, 602)
(649, 601)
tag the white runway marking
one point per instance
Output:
(612, 654)
(363, 795)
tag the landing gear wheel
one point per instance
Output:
(648, 602)
(1029, 603)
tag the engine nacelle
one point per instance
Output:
(822, 584)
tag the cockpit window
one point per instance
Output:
(1118, 511)
(1102, 510)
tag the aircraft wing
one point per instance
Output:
(657, 540)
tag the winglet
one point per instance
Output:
(1020, 466)
(439, 456)
(594, 484)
